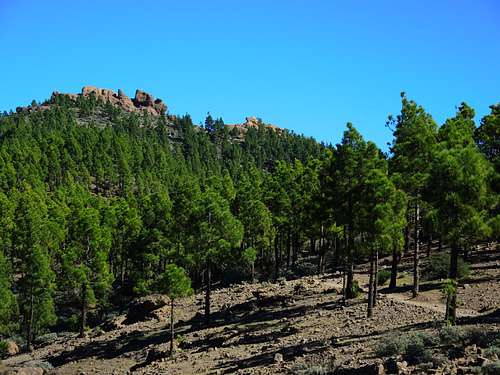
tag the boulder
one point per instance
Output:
(142, 308)
(12, 348)
(278, 358)
(114, 323)
(143, 99)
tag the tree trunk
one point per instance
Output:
(83, 317)
(344, 286)
(370, 288)
(171, 326)
(29, 326)
(276, 259)
(452, 311)
(415, 254)
(429, 245)
(252, 271)
(288, 249)
(296, 249)
(394, 268)
(375, 282)
(350, 280)
(207, 293)
(407, 240)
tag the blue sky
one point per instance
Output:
(310, 66)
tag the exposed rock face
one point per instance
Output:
(253, 122)
(143, 308)
(141, 102)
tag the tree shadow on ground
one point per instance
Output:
(110, 348)
(492, 317)
(244, 313)
(268, 358)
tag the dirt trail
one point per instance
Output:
(431, 304)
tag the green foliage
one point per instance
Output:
(492, 351)
(175, 282)
(4, 346)
(356, 289)
(417, 352)
(314, 368)
(439, 267)
(383, 276)
(98, 205)
(414, 347)
(392, 345)
(8, 303)
(491, 368)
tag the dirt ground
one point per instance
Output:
(266, 328)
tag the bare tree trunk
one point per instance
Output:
(407, 240)
(375, 282)
(344, 285)
(416, 254)
(394, 268)
(171, 326)
(207, 293)
(429, 245)
(350, 280)
(370, 288)
(83, 317)
(29, 326)
(276, 258)
(288, 250)
(453, 276)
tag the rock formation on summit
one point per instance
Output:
(141, 102)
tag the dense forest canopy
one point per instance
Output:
(98, 206)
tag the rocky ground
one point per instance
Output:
(291, 327)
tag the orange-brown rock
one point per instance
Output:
(141, 102)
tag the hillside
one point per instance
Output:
(133, 240)
(292, 327)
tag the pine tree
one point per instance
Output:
(176, 284)
(85, 260)
(412, 149)
(37, 278)
(458, 189)
(219, 233)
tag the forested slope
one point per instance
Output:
(98, 204)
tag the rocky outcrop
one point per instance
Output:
(143, 308)
(140, 103)
(253, 122)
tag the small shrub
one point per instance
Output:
(492, 368)
(429, 339)
(73, 322)
(439, 267)
(451, 335)
(356, 289)
(414, 347)
(46, 339)
(492, 350)
(439, 360)
(383, 276)
(391, 345)
(3, 349)
(416, 350)
(478, 336)
(320, 368)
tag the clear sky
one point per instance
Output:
(308, 65)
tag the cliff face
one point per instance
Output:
(140, 103)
